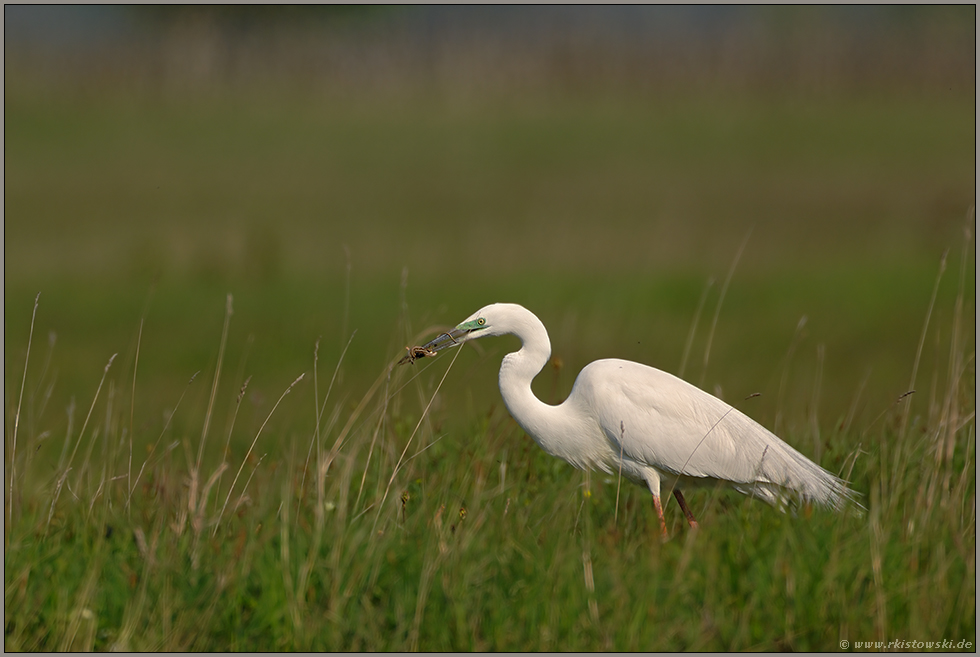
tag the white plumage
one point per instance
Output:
(654, 428)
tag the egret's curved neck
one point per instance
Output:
(516, 373)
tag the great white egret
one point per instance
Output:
(655, 429)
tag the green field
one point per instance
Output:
(143, 512)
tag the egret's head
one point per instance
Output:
(492, 320)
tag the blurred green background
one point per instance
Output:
(389, 170)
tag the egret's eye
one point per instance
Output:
(481, 321)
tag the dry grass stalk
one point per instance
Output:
(81, 433)
(20, 399)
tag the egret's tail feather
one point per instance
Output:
(786, 478)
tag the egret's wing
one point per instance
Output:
(660, 420)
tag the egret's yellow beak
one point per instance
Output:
(457, 336)
(452, 338)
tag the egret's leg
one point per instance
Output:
(687, 512)
(660, 514)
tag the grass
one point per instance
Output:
(396, 520)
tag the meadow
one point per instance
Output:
(208, 445)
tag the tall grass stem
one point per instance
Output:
(20, 399)
(251, 447)
(721, 299)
